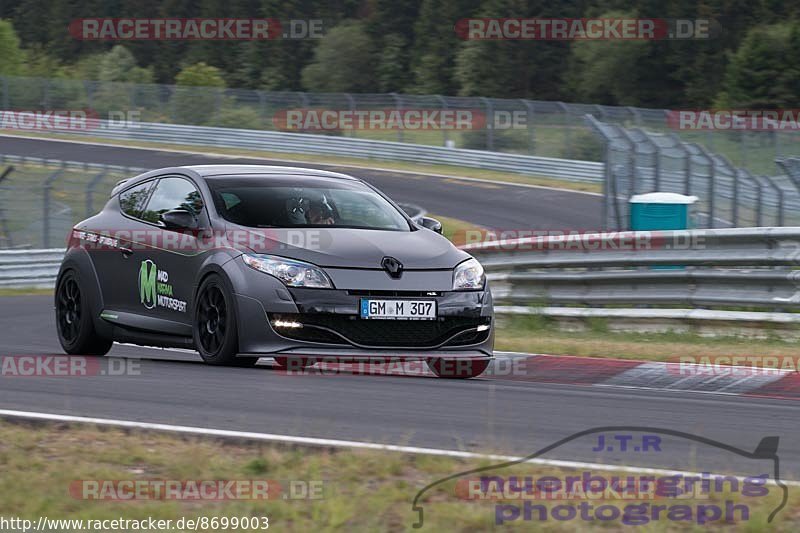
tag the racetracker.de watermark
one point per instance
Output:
(734, 366)
(67, 120)
(66, 366)
(399, 366)
(573, 29)
(379, 119)
(514, 240)
(197, 241)
(132, 490)
(194, 29)
(734, 119)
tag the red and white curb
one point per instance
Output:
(603, 372)
(664, 376)
(590, 371)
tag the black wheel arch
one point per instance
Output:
(78, 260)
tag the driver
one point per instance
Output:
(319, 213)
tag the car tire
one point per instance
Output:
(457, 368)
(294, 363)
(214, 328)
(74, 321)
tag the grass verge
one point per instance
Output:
(361, 490)
(538, 334)
(24, 292)
(454, 229)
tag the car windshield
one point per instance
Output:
(299, 202)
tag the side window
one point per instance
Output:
(170, 194)
(132, 201)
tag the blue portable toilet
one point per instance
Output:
(661, 211)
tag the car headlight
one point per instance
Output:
(292, 273)
(468, 276)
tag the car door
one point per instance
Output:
(116, 266)
(167, 264)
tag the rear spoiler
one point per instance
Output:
(118, 186)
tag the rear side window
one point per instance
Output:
(132, 201)
(171, 194)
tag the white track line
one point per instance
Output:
(335, 443)
(332, 164)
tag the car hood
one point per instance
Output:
(357, 248)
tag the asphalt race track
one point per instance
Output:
(481, 415)
(490, 205)
(491, 415)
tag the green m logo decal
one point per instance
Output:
(147, 283)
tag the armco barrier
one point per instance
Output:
(734, 269)
(300, 143)
(29, 268)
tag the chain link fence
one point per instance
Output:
(639, 161)
(40, 199)
(530, 127)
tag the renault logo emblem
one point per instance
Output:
(392, 266)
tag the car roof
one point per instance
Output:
(238, 171)
(211, 171)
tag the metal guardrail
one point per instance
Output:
(742, 268)
(300, 143)
(29, 268)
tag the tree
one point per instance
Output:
(609, 72)
(763, 74)
(11, 55)
(391, 71)
(436, 45)
(200, 75)
(198, 95)
(342, 61)
(514, 69)
(119, 65)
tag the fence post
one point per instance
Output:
(735, 207)
(262, 109)
(46, 96)
(636, 115)
(779, 192)
(172, 97)
(760, 198)
(743, 147)
(489, 123)
(712, 186)
(87, 85)
(6, 231)
(567, 133)
(218, 94)
(48, 185)
(529, 126)
(5, 93)
(443, 101)
(90, 191)
(398, 106)
(351, 102)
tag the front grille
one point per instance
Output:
(390, 294)
(376, 333)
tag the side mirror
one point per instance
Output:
(178, 219)
(431, 223)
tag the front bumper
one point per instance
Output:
(331, 327)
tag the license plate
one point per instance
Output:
(398, 309)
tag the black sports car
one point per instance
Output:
(241, 262)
